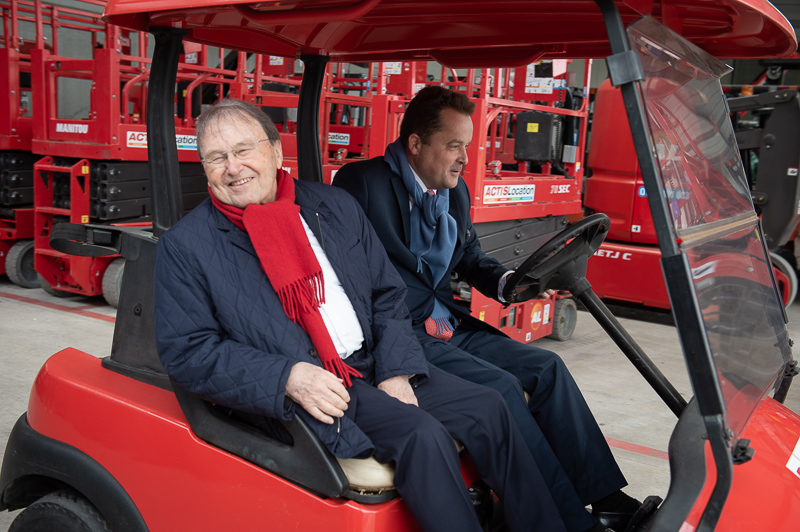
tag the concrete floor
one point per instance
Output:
(34, 325)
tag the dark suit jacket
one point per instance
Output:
(384, 199)
(221, 330)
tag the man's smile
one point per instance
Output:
(240, 181)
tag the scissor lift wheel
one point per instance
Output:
(49, 289)
(112, 281)
(785, 267)
(19, 265)
(565, 316)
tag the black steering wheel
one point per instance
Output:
(560, 261)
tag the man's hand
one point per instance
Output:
(318, 391)
(399, 388)
(527, 294)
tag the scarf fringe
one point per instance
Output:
(303, 295)
(442, 325)
(341, 370)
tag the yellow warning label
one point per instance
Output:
(85, 219)
(533, 127)
(85, 169)
(482, 315)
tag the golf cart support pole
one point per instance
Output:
(309, 158)
(165, 180)
(660, 384)
(625, 71)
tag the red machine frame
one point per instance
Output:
(15, 120)
(626, 268)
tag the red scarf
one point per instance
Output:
(286, 256)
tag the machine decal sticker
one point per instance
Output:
(536, 316)
(508, 193)
(186, 142)
(394, 67)
(340, 139)
(72, 128)
(793, 464)
(613, 254)
(138, 139)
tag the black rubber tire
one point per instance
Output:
(19, 265)
(779, 262)
(112, 281)
(565, 317)
(50, 290)
(61, 511)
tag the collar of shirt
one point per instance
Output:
(337, 312)
(424, 189)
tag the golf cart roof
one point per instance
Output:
(455, 33)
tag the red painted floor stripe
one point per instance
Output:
(639, 449)
(63, 308)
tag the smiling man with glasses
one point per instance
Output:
(275, 298)
(241, 169)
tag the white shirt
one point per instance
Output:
(337, 312)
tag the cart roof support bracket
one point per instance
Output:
(624, 67)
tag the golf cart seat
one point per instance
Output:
(305, 462)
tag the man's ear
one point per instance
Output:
(278, 147)
(414, 144)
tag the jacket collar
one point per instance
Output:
(401, 195)
(309, 204)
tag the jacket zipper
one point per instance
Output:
(321, 239)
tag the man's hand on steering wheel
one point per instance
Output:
(528, 293)
(559, 261)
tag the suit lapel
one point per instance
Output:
(401, 194)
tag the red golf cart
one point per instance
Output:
(113, 444)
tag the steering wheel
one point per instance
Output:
(560, 261)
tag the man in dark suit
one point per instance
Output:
(420, 208)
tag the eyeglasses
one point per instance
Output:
(219, 158)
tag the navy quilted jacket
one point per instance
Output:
(222, 333)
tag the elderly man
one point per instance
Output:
(287, 305)
(420, 209)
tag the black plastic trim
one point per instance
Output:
(35, 464)
(307, 462)
(687, 465)
(309, 158)
(162, 152)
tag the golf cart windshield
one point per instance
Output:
(712, 215)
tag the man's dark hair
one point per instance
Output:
(424, 113)
(229, 109)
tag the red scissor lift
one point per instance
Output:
(16, 160)
(525, 175)
(94, 168)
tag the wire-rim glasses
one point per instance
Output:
(218, 159)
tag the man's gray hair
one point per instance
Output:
(229, 109)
